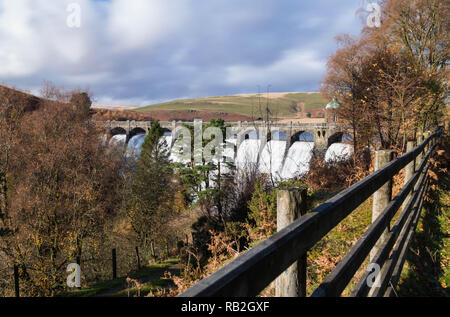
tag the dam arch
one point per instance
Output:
(136, 131)
(117, 131)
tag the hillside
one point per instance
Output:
(281, 105)
(24, 100)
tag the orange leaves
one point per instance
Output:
(433, 175)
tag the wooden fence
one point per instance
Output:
(283, 256)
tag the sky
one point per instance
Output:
(140, 52)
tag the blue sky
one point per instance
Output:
(137, 52)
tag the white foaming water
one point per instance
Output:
(338, 152)
(167, 139)
(247, 154)
(271, 160)
(118, 140)
(232, 141)
(176, 151)
(297, 160)
(228, 153)
(134, 147)
(135, 144)
(224, 169)
(229, 149)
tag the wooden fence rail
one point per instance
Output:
(251, 272)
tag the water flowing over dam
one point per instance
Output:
(338, 152)
(118, 140)
(283, 150)
(134, 147)
(272, 157)
(247, 154)
(297, 160)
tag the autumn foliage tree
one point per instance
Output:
(12, 107)
(61, 192)
(81, 101)
(391, 82)
(421, 30)
(343, 84)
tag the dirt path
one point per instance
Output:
(154, 275)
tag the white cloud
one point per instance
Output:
(143, 23)
(293, 64)
(35, 36)
(136, 102)
(17, 40)
(135, 51)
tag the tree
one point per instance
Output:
(393, 89)
(151, 191)
(199, 178)
(420, 29)
(342, 83)
(392, 81)
(12, 106)
(81, 101)
(63, 191)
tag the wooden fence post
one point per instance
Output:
(381, 197)
(409, 172)
(419, 157)
(138, 258)
(426, 135)
(16, 281)
(433, 141)
(152, 250)
(78, 261)
(291, 204)
(114, 264)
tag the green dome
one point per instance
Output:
(334, 104)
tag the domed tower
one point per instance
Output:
(330, 109)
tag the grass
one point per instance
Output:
(326, 253)
(427, 268)
(324, 256)
(117, 287)
(152, 286)
(282, 106)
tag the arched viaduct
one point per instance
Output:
(324, 134)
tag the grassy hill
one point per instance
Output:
(283, 105)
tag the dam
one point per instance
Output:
(283, 150)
